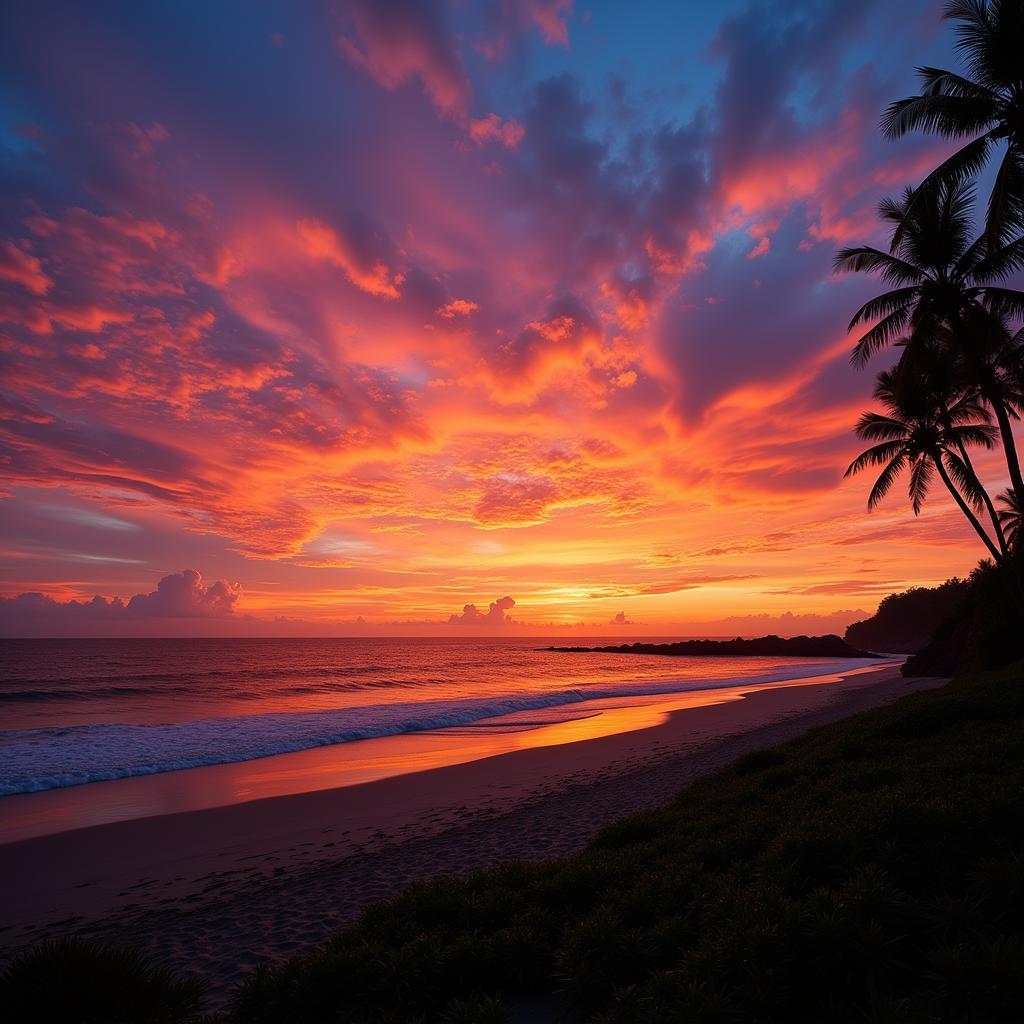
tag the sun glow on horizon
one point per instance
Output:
(518, 307)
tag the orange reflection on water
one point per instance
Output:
(349, 764)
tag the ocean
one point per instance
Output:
(75, 712)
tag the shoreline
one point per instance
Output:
(272, 878)
(324, 766)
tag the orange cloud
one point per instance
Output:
(456, 308)
(496, 615)
(278, 364)
(322, 242)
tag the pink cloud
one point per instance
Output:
(492, 129)
(760, 249)
(551, 17)
(405, 39)
(361, 267)
(23, 268)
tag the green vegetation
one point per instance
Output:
(86, 983)
(870, 870)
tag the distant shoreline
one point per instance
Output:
(829, 646)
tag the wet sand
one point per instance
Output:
(216, 891)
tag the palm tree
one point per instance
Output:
(912, 437)
(931, 377)
(986, 104)
(944, 293)
(1010, 517)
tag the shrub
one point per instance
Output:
(870, 870)
(82, 982)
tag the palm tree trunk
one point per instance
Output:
(990, 391)
(1010, 447)
(993, 515)
(965, 508)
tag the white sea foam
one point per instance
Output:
(38, 759)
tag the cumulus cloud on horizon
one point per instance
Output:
(181, 595)
(496, 615)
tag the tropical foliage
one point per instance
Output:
(950, 308)
(82, 981)
(1009, 517)
(905, 622)
(924, 439)
(986, 105)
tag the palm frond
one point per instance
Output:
(895, 209)
(969, 408)
(971, 257)
(947, 114)
(867, 259)
(1006, 303)
(882, 334)
(873, 426)
(997, 265)
(1010, 516)
(1006, 201)
(1003, 45)
(940, 82)
(920, 481)
(886, 479)
(965, 479)
(874, 456)
(980, 435)
(882, 305)
(988, 41)
(962, 166)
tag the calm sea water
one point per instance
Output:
(79, 711)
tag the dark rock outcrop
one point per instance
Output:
(829, 646)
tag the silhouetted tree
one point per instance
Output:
(985, 105)
(930, 376)
(945, 296)
(913, 437)
(1010, 517)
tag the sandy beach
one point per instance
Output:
(216, 891)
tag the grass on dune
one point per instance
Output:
(871, 870)
(88, 983)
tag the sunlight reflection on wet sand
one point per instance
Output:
(352, 763)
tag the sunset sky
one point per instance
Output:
(359, 313)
